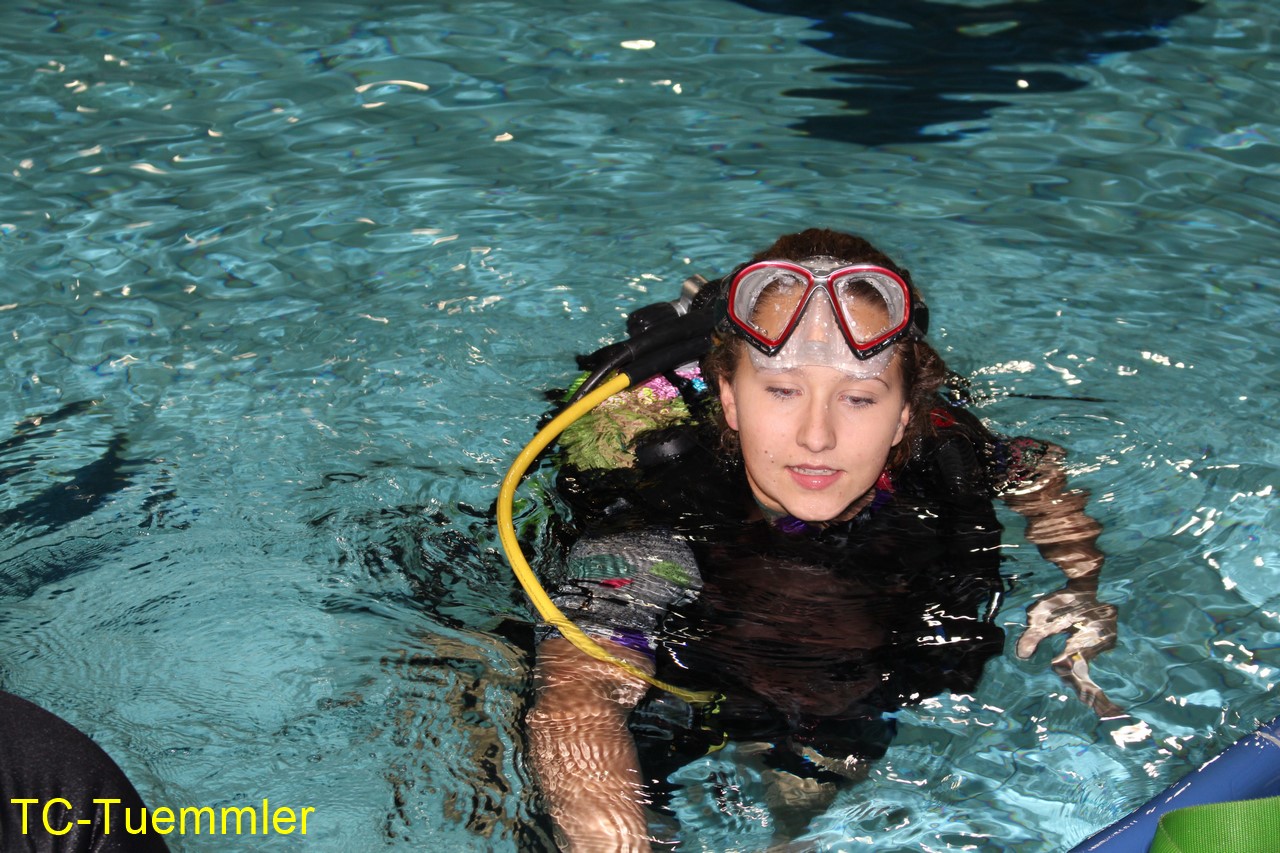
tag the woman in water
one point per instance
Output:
(818, 547)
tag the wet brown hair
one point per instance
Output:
(921, 368)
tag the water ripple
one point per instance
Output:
(317, 266)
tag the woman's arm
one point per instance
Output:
(620, 586)
(582, 752)
(1058, 526)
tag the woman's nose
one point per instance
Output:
(817, 432)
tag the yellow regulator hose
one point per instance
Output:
(520, 566)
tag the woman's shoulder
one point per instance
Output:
(963, 455)
(688, 486)
(648, 453)
(618, 433)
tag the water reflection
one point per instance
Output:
(914, 65)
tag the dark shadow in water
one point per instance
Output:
(54, 492)
(917, 63)
(78, 492)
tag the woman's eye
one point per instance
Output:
(782, 393)
(859, 401)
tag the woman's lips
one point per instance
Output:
(813, 477)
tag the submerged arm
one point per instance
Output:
(620, 585)
(1058, 526)
(582, 751)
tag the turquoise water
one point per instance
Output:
(283, 287)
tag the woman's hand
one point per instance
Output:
(582, 751)
(1058, 526)
(1090, 627)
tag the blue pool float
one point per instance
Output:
(1248, 769)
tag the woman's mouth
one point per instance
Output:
(814, 478)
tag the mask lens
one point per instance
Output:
(873, 306)
(766, 301)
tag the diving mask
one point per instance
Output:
(822, 312)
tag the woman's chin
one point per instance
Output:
(815, 512)
(819, 509)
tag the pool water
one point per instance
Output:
(283, 288)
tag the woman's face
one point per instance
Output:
(814, 439)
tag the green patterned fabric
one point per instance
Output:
(605, 437)
(1244, 826)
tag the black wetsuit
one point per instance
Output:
(48, 761)
(813, 634)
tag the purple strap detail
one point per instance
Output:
(635, 641)
(791, 524)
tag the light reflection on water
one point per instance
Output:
(317, 308)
